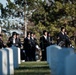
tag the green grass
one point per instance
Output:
(33, 68)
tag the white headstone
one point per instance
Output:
(19, 56)
(58, 57)
(70, 66)
(0, 12)
(52, 49)
(3, 62)
(10, 60)
(61, 59)
(15, 56)
(0, 30)
(48, 54)
(49, 49)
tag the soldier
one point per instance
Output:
(63, 39)
(34, 43)
(43, 44)
(12, 39)
(50, 39)
(27, 46)
(18, 41)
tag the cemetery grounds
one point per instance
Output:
(33, 68)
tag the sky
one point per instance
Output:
(4, 2)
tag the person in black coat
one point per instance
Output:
(18, 41)
(34, 43)
(68, 41)
(43, 44)
(27, 46)
(62, 39)
(12, 40)
(50, 39)
(1, 42)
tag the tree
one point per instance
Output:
(47, 16)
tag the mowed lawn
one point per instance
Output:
(33, 68)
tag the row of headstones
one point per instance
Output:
(62, 61)
(9, 60)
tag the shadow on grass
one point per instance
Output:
(32, 67)
(32, 73)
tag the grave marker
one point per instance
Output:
(58, 56)
(3, 62)
(15, 56)
(10, 60)
(19, 56)
(70, 66)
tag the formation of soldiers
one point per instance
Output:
(30, 43)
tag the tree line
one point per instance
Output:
(50, 16)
